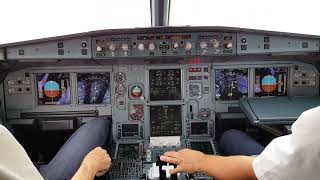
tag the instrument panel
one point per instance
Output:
(155, 100)
(157, 85)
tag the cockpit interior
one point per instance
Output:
(161, 87)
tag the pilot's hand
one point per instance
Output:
(186, 160)
(99, 160)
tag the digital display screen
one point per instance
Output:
(94, 88)
(53, 88)
(128, 151)
(231, 84)
(204, 147)
(199, 128)
(271, 81)
(165, 120)
(130, 130)
(164, 37)
(165, 84)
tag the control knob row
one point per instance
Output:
(113, 47)
(215, 44)
(151, 47)
(124, 47)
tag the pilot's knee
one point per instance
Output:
(100, 121)
(231, 134)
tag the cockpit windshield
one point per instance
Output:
(33, 19)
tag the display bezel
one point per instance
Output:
(268, 67)
(120, 126)
(37, 91)
(162, 69)
(207, 128)
(180, 120)
(231, 69)
(77, 91)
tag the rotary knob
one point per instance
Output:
(141, 47)
(112, 47)
(215, 44)
(26, 81)
(152, 46)
(203, 45)
(99, 48)
(125, 47)
(229, 45)
(188, 46)
(175, 45)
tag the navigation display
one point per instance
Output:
(165, 84)
(231, 84)
(53, 88)
(271, 81)
(165, 120)
(94, 88)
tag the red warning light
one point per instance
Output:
(196, 60)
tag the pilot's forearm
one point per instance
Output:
(85, 172)
(232, 167)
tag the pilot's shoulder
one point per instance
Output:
(311, 113)
(2, 129)
(308, 120)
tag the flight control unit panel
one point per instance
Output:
(161, 88)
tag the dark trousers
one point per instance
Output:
(95, 133)
(234, 142)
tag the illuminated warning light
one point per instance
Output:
(51, 89)
(269, 83)
(196, 60)
(136, 91)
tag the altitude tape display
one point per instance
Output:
(271, 81)
(53, 88)
(231, 84)
(94, 88)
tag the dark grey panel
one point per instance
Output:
(164, 45)
(277, 110)
(64, 49)
(2, 54)
(164, 42)
(256, 43)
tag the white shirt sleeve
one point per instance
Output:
(14, 161)
(295, 156)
